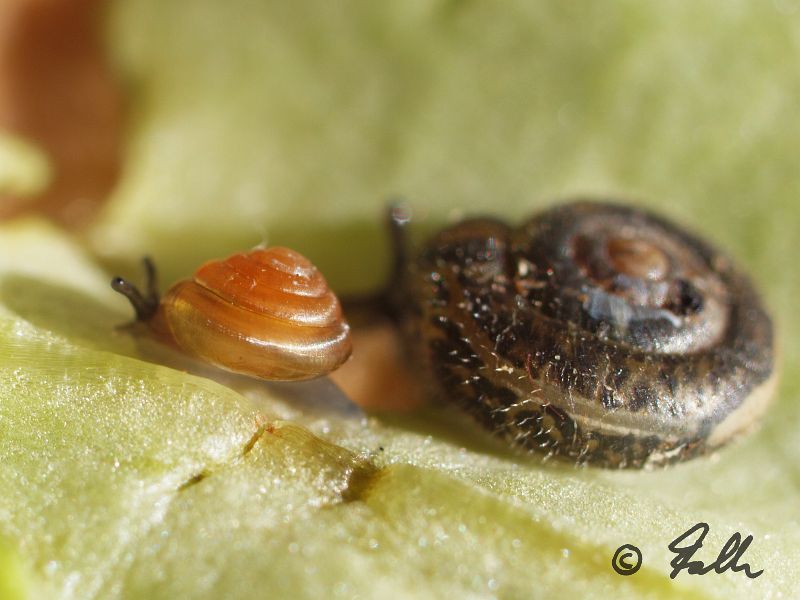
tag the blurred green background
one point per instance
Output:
(293, 123)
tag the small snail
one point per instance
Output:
(595, 332)
(267, 313)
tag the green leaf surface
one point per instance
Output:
(131, 472)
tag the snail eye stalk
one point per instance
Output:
(145, 305)
(398, 217)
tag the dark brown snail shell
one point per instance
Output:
(595, 332)
(267, 313)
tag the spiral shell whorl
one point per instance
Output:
(267, 313)
(596, 332)
(276, 281)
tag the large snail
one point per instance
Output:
(267, 313)
(595, 332)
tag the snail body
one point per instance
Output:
(267, 313)
(595, 332)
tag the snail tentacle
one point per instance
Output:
(398, 218)
(145, 305)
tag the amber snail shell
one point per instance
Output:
(594, 332)
(267, 313)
